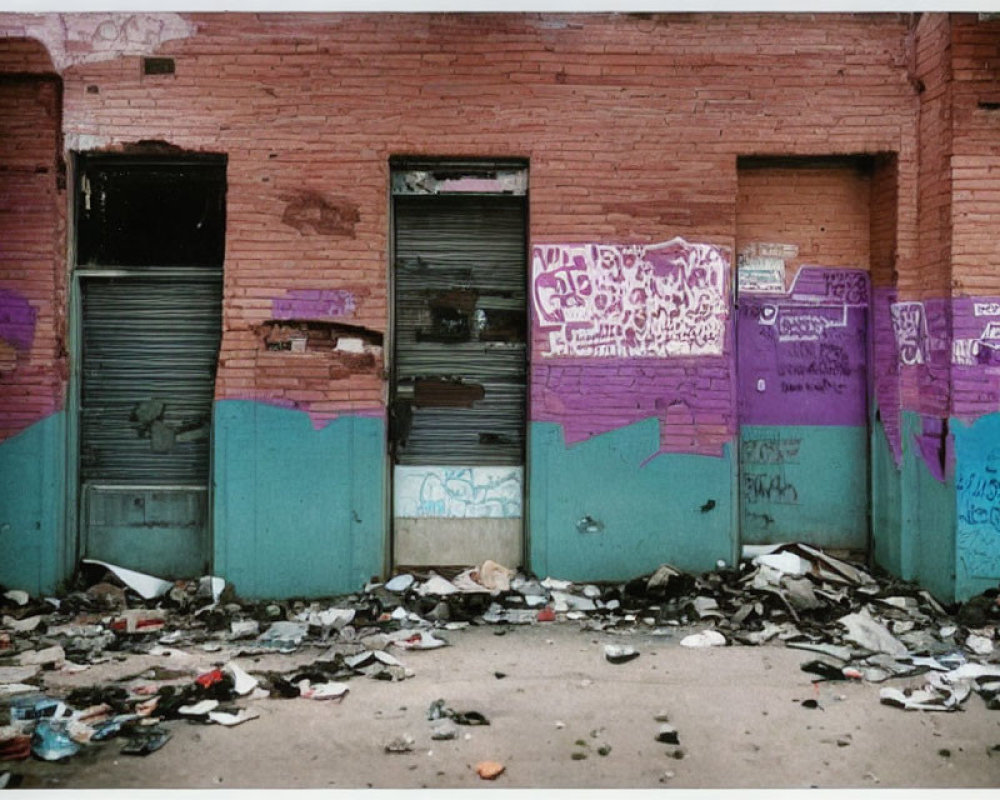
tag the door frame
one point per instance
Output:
(402, 163)
(74, 530)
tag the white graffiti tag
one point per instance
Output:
(909, 325)
(631, 300)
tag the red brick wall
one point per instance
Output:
(822, 209)
(32, 284)
(632, 124)
(975, 162)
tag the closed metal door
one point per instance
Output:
(458, 387)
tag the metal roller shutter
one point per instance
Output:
(150, 346)
(460, 329)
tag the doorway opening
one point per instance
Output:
(459, 362)
(149, 251)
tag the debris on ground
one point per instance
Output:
(489, 770)
(852, 626)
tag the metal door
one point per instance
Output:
(459, 366)
(150, 283)
(803, 376)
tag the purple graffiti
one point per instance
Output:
(17, 320)
(315, 304)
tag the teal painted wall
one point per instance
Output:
(298, 512)
(644, 509)
(33, 552)
(805, 483)
(928, 545)
(977, 486)
(886, 499)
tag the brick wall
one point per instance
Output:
(632, 125)
(975, 161)
(32, 285)
(822, 209)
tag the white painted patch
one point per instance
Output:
(85, 38)
(351, 345)
(458, 492)
(617, 301)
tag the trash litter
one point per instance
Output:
(422, 640)
(17, 596)
(146, 586)
(668, 735)
(44, 657)
(229, 719)
(10, 780)
(400, 583)
(401, 744)
(619, 654)
(436, 585)
(145, 741)
(139, 620)
(322, 691)
(980, 645)
(284, 634)
(489, 770)
(444, 729)
(866, 632)
(546, 615)
(199, 709)
(709, 638)
(242, 682)
(51, 742)
(15, 746)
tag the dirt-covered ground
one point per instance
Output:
(561, 716)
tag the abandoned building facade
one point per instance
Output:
(297, 299)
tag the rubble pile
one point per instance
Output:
(854, 625)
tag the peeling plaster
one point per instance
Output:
(73, 39)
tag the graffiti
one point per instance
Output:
(909, 326)
(462, 492)
(314, 304)
(815, 358)
(842, 287)
(986, 309)
(17, 328)
(797, 324)
(769, 488)
(631, 300)
(978, 488)
(770, 451)
(84, 38)
(983, 350)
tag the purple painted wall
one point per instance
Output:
(17, 320)
(886, 368)
(316, 304)
(803, 355)
(614, 330)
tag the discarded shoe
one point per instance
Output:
(149, 740)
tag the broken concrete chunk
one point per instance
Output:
(239, 629)
(25, 625)
(800, 594)
(706, 607)
(444, 730)
(401, 744)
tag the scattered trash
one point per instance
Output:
(146, 586)
(51, 742)
(619, 654)
(401, 744)
(444, 729)
(709, 638)
(489, 770)
(668, 735)
(143, 742)
(229, 719)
